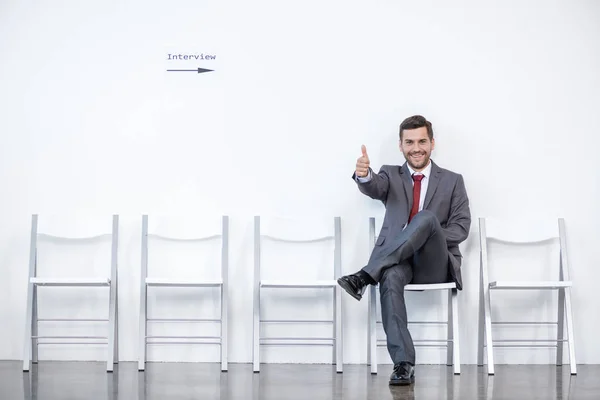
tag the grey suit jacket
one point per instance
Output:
(446, 197)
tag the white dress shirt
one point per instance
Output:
(424, 182)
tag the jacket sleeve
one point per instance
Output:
(459, 222)
(377, 187)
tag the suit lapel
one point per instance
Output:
(434, 179)
(408, 186)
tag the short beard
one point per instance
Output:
(422, 165)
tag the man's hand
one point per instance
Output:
(362, 164)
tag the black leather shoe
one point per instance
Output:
(404, 374)
(354, 285)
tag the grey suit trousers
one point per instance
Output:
(419, 255)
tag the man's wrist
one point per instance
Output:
(364, 179)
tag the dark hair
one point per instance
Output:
(414, 122)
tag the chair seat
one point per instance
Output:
(70, 281)
(529, 284)
(431, 286)
(289, 284)
(182, 282)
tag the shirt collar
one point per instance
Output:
(426, 172)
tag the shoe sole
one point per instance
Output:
(403, 383)
(344, 285)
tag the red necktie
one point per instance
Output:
(416, 195)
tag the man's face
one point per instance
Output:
(416, 147)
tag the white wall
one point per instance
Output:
(92, 123)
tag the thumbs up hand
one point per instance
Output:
(362, 164)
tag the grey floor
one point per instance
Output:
(88, 380)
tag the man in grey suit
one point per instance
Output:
(427, 216)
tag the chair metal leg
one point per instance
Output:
(256, 302)
(369, 337)
(564, 274)
(143, 318)
(116, 347)
(369, 332)
(337, 292)
(480, 328)
(339, 344)
(560, 328)
(31, 296)
(334, 326)
(570, 331)
(450, 338)
(143, 325)
(256, 332)
(488, 329)
(224, 292)
(455, 332)
(28, 344)
(111, 327)
(373, 328)
(35, 327)
(224, 328)
(112, 309)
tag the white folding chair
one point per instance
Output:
(32, 338)
(537, 232)
(451, 341)
(184, 234)
(259, 285)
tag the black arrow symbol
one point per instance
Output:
(198, 70)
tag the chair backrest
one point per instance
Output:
(186, 227)
(71, 230)
(372, 232)
(75, 227)
(297, 231)
(180, 231)
(522, 232)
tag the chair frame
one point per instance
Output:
(223, 285)
(259, 284)
(563, 285)
(452, 342)
(32, 339)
